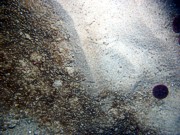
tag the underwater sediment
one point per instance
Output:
(44, 79)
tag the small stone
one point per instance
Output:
(70, 70)
(29, 121)
(37, 132)
(59, 39)
(35, 57)
(27, 36)
(100, 131)
(57, 83)
(113, 111)
(12, 124)
(116, 129)
(21, 33)
(74, 101)
(16, 105)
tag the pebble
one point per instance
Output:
(57, 83)
(27, 36)
(37, 132)
(70, 70)
(12, 124)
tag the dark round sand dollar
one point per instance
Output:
(177, 3)
(160, 91)
(176, 24)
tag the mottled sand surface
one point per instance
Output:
(88, 67)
